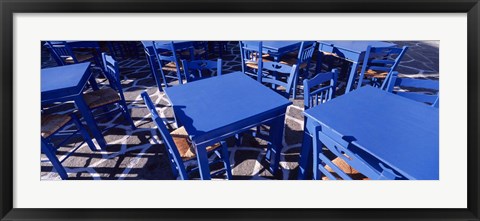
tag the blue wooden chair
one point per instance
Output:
(169, 62)
(302, 60)
(112, 95)
(197, 69)
(415, 89)
(320, 88)
(378, 63)
(279, 76)
(251, 64)
(198, 50)
(52, 131)
(179, 146)
(63, 54)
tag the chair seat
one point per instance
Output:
(291, 61)
(375, 74)
(342, 165)
(101, 97)
(171, 66)
(53, 122)
(80, 58)
(196, 52)
(184, 144)
(254, 64)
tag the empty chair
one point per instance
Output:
(63, 54)
(52, 126)
(169, 62)
(279, 76)
(250, 59)
(198, 50)
(421, 90)
(112, 95)
(179, 146)
(198, 69)
(378, 63)
(320, 88)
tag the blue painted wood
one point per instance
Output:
(316, 91)
(66, 83)
(269, 77)
(49, 149)
(390, 59)
(275, 48)
(61, 50)
(196, 106)
(196, 70)
(353, 51)
(399, 133)
(431, 96)
(251, 54)
(305, 54)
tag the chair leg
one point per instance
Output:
(127, 114)
(84, 133)
(54, 160)
(226, 161)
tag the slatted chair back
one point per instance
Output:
(271, 80)
(168, 59)
(382, 60)
(252, 54)
(426, 91)
(174, 156)
(320, 88)
(305, 54)
(194, 70)
(112, 72)
(61, 51)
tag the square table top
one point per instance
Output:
(210, 106)
(64, 80)
(401, 132)
(357, 46)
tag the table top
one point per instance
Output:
(64, 80)
(398, 131)
(357, 46)
(276, 46)
(208, 108)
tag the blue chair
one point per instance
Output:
(112, 95)
(169, 62)
(378, 63)
(279, 76)
(197, 69)
(302, 60)
(63, 54)
(179, 146)
(251, 64)
(197, 50)
(52, 129)
(429, 96)
(320, 88)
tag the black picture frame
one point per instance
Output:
(9, 7)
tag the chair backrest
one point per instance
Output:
(252, 53)
(290, 71)
(112, 72)
(166, 137)
(167, 53)
(384, 59)
(305, 54)
(430, 95)
(60, 50)
(194, 70)
(317, 91)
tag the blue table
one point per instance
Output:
(398, 132)
(216, 108)
(150, 54)
(275, 48)
(66, 83)
(353, 51)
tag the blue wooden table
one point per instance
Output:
(275, 48)
(400, 133)
(66, 83)
(216, 108)
(150, 54)
(353, 51)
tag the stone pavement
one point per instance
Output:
(140, 155)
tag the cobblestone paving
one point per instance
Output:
(139, 154)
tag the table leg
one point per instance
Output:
(305, 153)
(351, 77)
(202, 158)
(276, 146)
(93, 83)
(90, 120)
